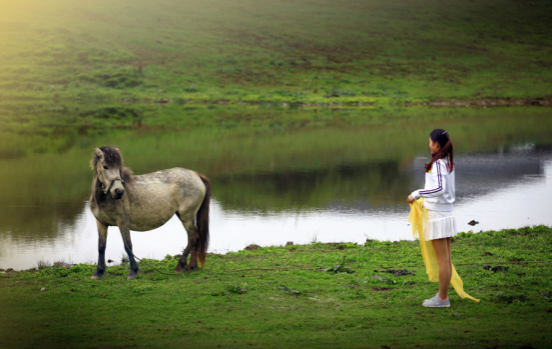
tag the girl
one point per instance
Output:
(438, 194)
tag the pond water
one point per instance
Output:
(278, 175)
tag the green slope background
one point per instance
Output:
(253, 51)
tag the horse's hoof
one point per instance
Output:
(192, 268)
(96, 277)
(132, 277)
(181, 268)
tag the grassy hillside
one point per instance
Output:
(322, 51)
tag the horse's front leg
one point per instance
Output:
(124, 227)
(102, 241)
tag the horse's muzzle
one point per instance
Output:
(118, 193)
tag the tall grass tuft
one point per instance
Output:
(42, 264)
(62, 264)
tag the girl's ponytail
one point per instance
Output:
(447, 149)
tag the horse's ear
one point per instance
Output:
(98, 155)
(98, 152)
(119, 151)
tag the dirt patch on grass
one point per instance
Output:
(493, 102)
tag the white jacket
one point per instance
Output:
(438, 192)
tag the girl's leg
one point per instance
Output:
(443, 254)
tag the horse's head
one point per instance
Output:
(108, 166)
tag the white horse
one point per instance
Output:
(147, 202)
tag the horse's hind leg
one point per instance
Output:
(193, 239)
(102, 240)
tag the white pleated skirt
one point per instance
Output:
(440, 225)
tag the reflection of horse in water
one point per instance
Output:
(147, 202)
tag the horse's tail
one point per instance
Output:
(202, 220)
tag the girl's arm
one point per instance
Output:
(438, 173)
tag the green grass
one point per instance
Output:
(323, 52)
(238, 300)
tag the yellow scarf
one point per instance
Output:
(418, 216)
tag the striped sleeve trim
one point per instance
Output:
(439, 182)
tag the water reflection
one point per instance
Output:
(343, 180)
(31, 223)
(371, 185)
(482, 174)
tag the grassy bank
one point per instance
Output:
(273, 297)
(323, 52)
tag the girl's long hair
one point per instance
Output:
(447, 149)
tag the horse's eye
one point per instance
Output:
(105, 168)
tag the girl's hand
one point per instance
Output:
(410, 199)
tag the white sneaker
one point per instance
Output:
(436, 302)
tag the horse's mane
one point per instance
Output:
(126, 174)
(113, 157)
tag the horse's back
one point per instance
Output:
(175, 182)
(157, 196)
